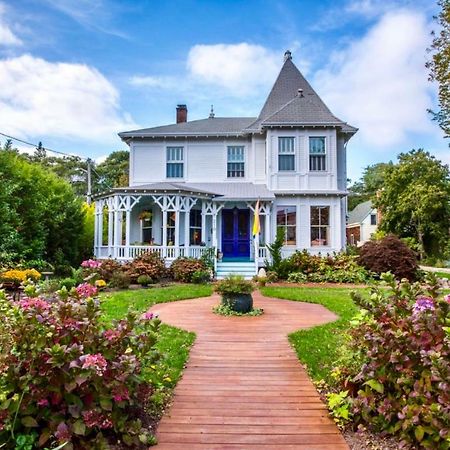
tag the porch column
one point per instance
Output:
(177, 232)
(96, 231)
(110, 228)
(127, 227)
(214, 229)
(117, 228)
(187, 213)
(164, 227)
(203, 223)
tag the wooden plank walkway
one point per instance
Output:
(243, 387)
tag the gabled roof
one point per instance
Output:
(217, 126)
(360, 212)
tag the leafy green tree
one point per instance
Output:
(414, 201)
(41, 215)
(440, 65)
(113, 171)
(370, 183)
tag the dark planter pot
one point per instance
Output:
(242, 303)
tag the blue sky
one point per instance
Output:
(73, 73)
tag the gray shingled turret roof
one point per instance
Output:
(360, 212)
(292, 101)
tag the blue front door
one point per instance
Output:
(235, 233)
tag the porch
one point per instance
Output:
(179, 223)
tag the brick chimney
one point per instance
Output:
(181, 113)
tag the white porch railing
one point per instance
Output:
(170, 252)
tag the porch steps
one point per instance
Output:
(244, 268)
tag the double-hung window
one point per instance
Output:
(146, 222)
(287, 220)
(195, 226)
(235, 162)
(286, 154)
(174, 162)
(320, 225)
(317, 154)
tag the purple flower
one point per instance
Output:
(423, 304)
(149, 316)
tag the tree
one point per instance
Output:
(113, 171)
(440, 66)
(41, 216)
(414, 201)
(370, 183)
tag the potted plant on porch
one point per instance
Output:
(236, 293)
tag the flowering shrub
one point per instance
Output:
(149, 264)
(86, 290)
(65, 378)
(183, 269)
(401, 340)
(19, 276)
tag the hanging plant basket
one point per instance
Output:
(145, 215)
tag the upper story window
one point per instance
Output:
(286, 154)
(373, 219)
(320, 225)
(317, 154)
(235, 162)
(174, 162)
(287, 220)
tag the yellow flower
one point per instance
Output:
(100, 283)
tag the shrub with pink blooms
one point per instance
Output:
(65, 378)
(396, 368)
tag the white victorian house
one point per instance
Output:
(195, 184)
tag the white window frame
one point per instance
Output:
(285, 225)
(242, 148)
(320, 226)
(169, 148)
(292, 152)
(323, 155)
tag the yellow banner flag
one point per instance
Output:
(256, 224)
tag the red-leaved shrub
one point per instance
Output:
(150, 264)
(389, 254)
(183, 269)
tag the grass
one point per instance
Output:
(442, 275)
(115, 305)
(318, 347)
(173, 343)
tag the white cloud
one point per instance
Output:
(153, 81)
(241, 69)
(7, 36)
(39, 98)
(379, 83)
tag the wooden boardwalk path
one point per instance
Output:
(243, 387)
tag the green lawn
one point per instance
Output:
(318, 347)
(442, 275)
(173, 344)
(115, 305)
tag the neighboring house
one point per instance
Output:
(362, 223)
(195, 184)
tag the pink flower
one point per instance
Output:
(149, 315)
(94, 418)
(43, 402)
(447, 298)
(91, 264)
(121, 393)
(62, 432)
(86, 290)
(96, 362)
(111, 335)
(34, 303)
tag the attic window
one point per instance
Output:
(286, 154)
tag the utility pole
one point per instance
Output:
(89, 182)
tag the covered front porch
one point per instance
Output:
(179, 223)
